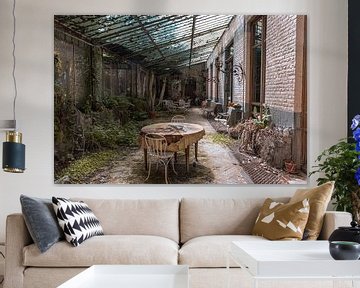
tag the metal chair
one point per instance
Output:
(188, 104)
(183, 106)
(178, 119)
(156, 150)
(170, 106)
(223, 119)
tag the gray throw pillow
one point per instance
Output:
(41, 221)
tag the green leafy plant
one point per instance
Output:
(263, 119)
(339, 163)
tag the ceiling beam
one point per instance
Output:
(186, 52)
(148, 34)
(192, 38)
(179, 61)
(74, 34)
(179, 40)
(115, 35)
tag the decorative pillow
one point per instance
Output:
(319, 198)
(279, 221)
(41, 222)
(77, 220)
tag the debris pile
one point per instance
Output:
(272, 144)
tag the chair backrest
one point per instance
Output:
(178, 119)
(155, 144)
(181, 102)
(169, 104)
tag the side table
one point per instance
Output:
(293, 264)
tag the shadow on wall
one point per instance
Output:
(150, 7)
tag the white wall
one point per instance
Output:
(327, 70)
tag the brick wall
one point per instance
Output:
(280, 68)
(239, 59)
(234, 33)
(280, 65)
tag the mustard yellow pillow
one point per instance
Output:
(279, 221)
(319, 198)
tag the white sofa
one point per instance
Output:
(194, 232)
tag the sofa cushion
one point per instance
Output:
(201, 217)
(319, 198)
(41, 221)
(211, 251)
(77, 220)
(107, 249)
(279, 221)
(158, 217)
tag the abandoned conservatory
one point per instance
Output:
(180, 99)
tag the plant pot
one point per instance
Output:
(290, 167)
(346, 233)
(344, 250)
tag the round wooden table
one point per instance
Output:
(179, 136)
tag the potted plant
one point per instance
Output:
(290, 166)
(341, 163)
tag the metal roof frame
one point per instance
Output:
(158, 42)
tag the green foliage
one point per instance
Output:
(120, 106)
(86, 166)
(112, 135)
(262, 120)
(339, 163)
(222, 139)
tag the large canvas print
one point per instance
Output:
(180, 99)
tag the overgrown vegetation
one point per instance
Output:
(95, 121)
(272, 144)
(112, 135)
(98, 104)
(79, 170)
(222, 139)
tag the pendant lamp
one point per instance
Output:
(13, 150)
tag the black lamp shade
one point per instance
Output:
(13, 157)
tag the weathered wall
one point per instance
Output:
(280, 64)
(178, 84)
(239, 59)
(72, 71)
(235, 33)
(280, 68)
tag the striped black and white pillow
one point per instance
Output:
(77, 220)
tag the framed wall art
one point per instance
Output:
(180, 99)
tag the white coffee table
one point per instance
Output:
(131, 276)
(293, 260)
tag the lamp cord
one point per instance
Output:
(14, 60)
(2, 280)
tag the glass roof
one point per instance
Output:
(156, 41)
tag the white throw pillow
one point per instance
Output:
(77, 220)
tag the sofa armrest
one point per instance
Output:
(17, 237)
(333, 220)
